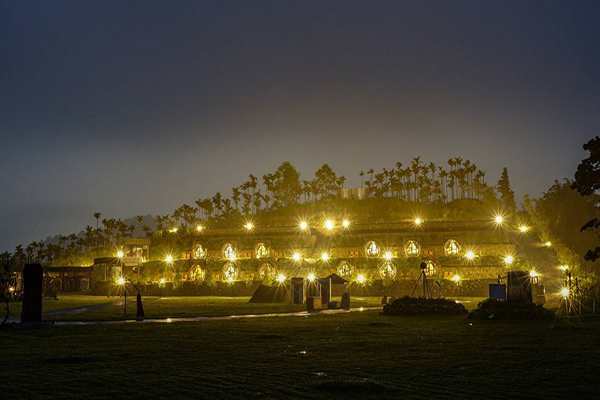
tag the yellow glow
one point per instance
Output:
(523, 228)
(533, 273)
(199, 228)
(470, 255)
(303, 225)
(232, 257)
(296, 256)
(345, 223)
(169, 320)
(281, 278)
(361, 309)
(230, 279)
(361, 278)
(564, 292)
(456, 278)
(387, 255)
(418, 221)
(169, 259)
(563, 267)
(324, 256)
(120, 254)
(499, 219)
(162, 281)
(249, 226)
(174, 230)
(329, 224)
(11, 289)
(548, 244)
(311, 277)
(509, 259)
(121, 281)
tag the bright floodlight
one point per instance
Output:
(281, 278)
(303, 225)
(548, 244)
(296, 256)
(199, 228)
(456, 278)
(563, 267)
(249, 226)
(121, 281)
(498, 219)
(387, 255)
(162, 281)
(232, 257)
(311, 277)
(470, 255)
(324, 256)
(169, 259)
(509, 259)
(533, 273)
(361, 278)
(418, 221)
(120, 254)
(230, 279)
(174, 230)
(564, 292)
(329, 224)
(345, 223)
(523, 228)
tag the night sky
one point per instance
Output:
(130, 108)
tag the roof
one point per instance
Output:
(336, 279)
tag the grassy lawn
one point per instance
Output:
(354, 355)
(64, 301)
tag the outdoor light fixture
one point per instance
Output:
(533, 273)
(361, 278)
(499, 219)
(456, 278)
(311, 277)
(387, 255)
(162, 281)
(418, 221)
(329, 224)
(470, 255)
(120, 254)
(345, 223)
(199, 228)
(509, 259)
(563, 268)
(303, 225)
(564, 292)
(121, 281)
(169, 259)
(548, 244)
(296, 256)
(174, 230)
(232, 257)
(324, 256)
(230, 279)
(281, 278)
(249, 226)
(11, 289)
(523, 228)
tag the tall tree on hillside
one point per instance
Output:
(140, 218)
(97, 215)
(507, 196)
(286, 185)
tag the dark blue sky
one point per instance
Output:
(131, 107)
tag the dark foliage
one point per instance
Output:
(495, 309)
(423, 306)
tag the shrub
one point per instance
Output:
(423, 306)
(496, 309)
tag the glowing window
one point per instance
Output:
(267, 272)
(197, 273)
(261, 251)
(199, 252)
(372, 249)
(412, 248)
(431, 268)
(345, 270)
(230, 272)
(388, 270)
(229, 251)
(452, 248)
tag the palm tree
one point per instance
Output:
(97, 215)
(362, 174)
(140, 218)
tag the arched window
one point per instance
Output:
(452, 248)
(387, 270)
(261, 251)
(431, 268)
(412, 248)
(229, 251)
(267, 271)
(345, 270)
(372, 249)
(197, 273)
(199, 252)
(230, 272)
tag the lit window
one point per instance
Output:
(229, 251)
(345, 270)
(387, 270)
(452, 248)
(261, 251)
(412, 248)
(230, 272)
(372, 249)
(267, 272)
(431, 268)
(197, 274)
(199, 252)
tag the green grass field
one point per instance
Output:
(354, 355)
